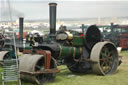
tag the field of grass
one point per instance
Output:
(65, 77)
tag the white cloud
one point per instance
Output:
(70, 9)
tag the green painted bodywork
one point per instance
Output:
(67, 51)
(12, 54)
(78, 41)
(27, 46)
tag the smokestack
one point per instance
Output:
(52, 8)
(112, 26)
(21, 19)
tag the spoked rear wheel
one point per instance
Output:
(105, 58)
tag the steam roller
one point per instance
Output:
(81, 52)
(6, 55)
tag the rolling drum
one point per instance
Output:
(6, 55)
(105, 58)
(34, 63)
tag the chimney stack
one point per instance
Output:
(21, 19)
(52, 7)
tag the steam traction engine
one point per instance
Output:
(82, 53)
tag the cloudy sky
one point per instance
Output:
(39, 9)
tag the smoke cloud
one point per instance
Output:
(8, 13)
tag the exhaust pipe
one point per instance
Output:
(112, 26)
(21, 19)
(52, 8)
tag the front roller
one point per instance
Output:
(32, 69)
(6, 55)
(105, 58)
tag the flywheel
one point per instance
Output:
(105, 58)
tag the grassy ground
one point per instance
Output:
(65, 77)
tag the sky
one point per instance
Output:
(39, 9)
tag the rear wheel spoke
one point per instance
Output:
(107, 58)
